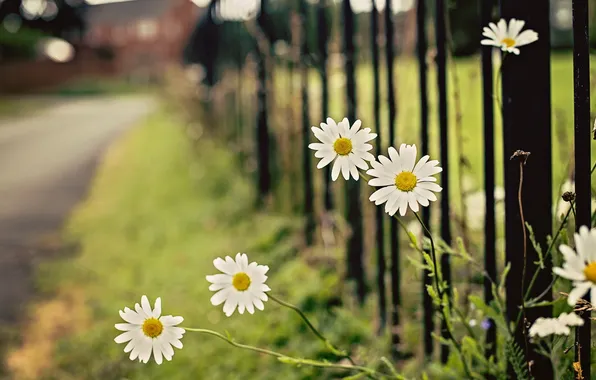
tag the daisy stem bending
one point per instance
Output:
(287, 359)
(239, 345)
(326, 341)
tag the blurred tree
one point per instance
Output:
(59, 18)
(464, 18)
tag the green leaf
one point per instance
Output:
(531, 303)
(473, 349)
(536, 245)
(413, 239)
(515, 356)
(433, 294)
(483, 307)
(462, 250)
(504, 276)
(429, 262)
(416, 263)
(287, 360)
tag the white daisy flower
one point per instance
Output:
(240, 285)
(347, 146)
(147, 331)
(509, 39)
(543, 327)
(404, 182)
(580, 267)
(570, 319)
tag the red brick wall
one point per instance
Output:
(150, 56)
(31, 76)
(154, 54)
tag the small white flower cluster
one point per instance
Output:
(544, 327)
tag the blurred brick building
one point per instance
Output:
(141, 38)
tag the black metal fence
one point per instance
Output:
(526, 128)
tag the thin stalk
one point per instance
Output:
(388, 364)
(523, 222)
(498, 84)
(466, 325)
(235, 344)
(433, 256)
(550, 247)
(287, 359)
(326, 341)
(440, 293)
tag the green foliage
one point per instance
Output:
(515, 356)
(22, 43)
(464, 19)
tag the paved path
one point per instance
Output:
(46, 163)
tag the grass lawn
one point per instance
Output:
(156, 217)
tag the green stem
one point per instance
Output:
(467, 326)
(433, 256)
(550, 247)
(326, 341)
(498, 84)
(235, 344)
(440, 293)
(284, 358)
(388, 364)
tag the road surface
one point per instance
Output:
(47, 159)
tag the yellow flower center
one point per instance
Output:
(152, 327)
(509, 42)
(590, 271)
(342, 146)
(241, 281)
(406, 181)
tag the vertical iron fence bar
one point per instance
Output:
(355, 248)
(309, 228)
(393, 226)
(379, 213)
(239, 96)
(581, 85)
(490, 261)
(527, 126)
(264, 175)
(441, 59)
(422, 47)
(323, 30)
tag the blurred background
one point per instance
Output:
(141, 139)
